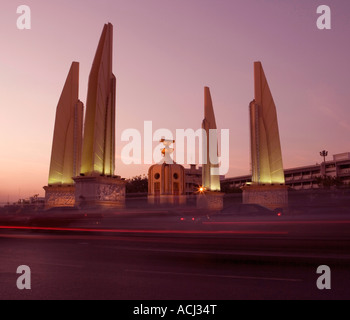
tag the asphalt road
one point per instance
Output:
(247, 260)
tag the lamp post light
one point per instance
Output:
(324, 154)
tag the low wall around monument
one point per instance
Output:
(269, 196)
(59, 196)
(100, 191)
(212, 201)
(170, 200)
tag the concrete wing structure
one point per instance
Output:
(210, 182)
(67, 139)
(267, 164)
(99, 133)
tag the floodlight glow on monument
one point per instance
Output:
(267, 164)
(210, 182)
(99, 133)
(67, 139)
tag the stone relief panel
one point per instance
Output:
(60, 199)
(106, 192)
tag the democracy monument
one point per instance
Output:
(82, 168)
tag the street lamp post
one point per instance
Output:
(324, 154)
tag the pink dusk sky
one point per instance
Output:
(165, 52)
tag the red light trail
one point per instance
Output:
(125, 231)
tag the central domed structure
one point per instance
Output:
(166, 180)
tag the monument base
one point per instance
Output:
(212, 201)
(59, 196)
(99, 192)
(170, 200)
(269, 196)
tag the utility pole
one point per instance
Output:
(324, 154)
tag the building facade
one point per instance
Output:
(305, 178)
(193, 179)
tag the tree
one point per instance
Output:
(226, 187)
(328, 182)
(138, 184)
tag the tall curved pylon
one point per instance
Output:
(266, 152)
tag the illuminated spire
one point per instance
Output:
(267, 164)
(99, 132)
(67, 139)
(210, 182)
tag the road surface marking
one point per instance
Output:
(213, 276)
